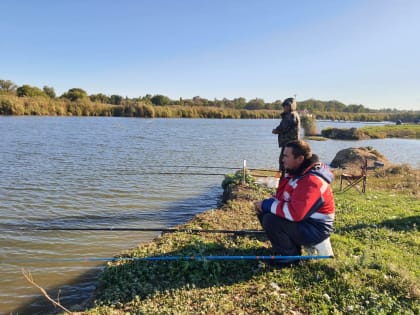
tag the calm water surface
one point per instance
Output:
(101, 172)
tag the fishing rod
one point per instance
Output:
(208, 174)
(180, 258)
(195, 173)
(240, 232)
(183, 173)
(190, 166)
(209, 167)
(221, 257)
(217, 167)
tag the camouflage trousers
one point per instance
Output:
(281, 165)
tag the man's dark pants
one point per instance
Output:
(281, 165)
(284, 235)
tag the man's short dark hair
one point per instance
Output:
(288, 101)
(299, 148)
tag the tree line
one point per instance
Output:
(31, 100)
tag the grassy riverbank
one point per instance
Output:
(76, 102)
(375, 269)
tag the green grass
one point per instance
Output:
(316, 138)
(375, 269)
(393, 131)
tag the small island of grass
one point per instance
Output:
(409, 131)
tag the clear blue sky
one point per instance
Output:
(357, 52)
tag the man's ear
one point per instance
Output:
(301, 158)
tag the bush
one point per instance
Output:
(309, 125)
(6, 107)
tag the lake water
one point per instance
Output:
(110, 172)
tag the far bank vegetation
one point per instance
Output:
(30, 100)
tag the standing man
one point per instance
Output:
(302, 212)
(288, 129)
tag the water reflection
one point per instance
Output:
(75, 281)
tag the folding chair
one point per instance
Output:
(351, 180)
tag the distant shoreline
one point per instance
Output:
(11, 104)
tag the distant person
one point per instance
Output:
(289, 128)
(302, 211)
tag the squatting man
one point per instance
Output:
(302, 211)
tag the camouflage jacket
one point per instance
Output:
(289, 128)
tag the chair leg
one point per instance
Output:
(353, 184)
